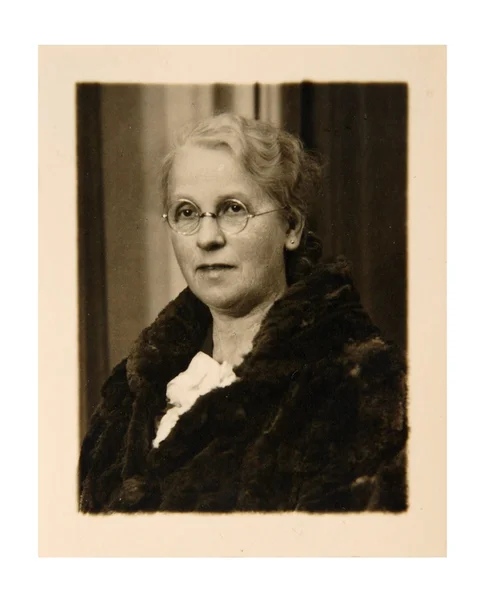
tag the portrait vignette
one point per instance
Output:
(433, 90)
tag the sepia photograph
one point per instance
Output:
(242, 263)
(254, 257)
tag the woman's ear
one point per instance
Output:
(296, 226)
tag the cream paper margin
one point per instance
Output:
(62, 530)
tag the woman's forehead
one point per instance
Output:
(197, 168)
(195, 159)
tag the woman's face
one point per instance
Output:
(230, 273)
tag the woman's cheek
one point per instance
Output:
(185, 259)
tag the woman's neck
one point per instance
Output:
(233, 335)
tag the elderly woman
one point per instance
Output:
(264, 386)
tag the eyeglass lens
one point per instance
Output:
(231, 215)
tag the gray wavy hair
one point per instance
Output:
(277, 163)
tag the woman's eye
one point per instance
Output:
(233, 208)
(185, 212)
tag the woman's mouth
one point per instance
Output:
(215, 267)
(214, 272)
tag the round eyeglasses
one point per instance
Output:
(232, 216)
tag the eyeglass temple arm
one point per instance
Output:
(266, 212)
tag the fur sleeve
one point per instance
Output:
(356, 460)
(100, 458)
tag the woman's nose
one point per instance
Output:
(209, 233)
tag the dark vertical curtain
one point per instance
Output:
(361, 132)
(93, 339)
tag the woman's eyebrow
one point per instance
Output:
(176, 197)
(233, 196)
(218, 199)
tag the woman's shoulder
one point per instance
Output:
(373, 358)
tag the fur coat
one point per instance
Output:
(316, 421)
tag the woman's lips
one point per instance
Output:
(215, 267)
(215, 272)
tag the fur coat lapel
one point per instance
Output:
(308, 324)
(300, 327)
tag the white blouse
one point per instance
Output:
(202, 375)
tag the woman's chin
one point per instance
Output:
(219, 301)
(224, 300)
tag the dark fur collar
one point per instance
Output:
(314, 319)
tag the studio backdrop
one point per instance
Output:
(127, 271)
